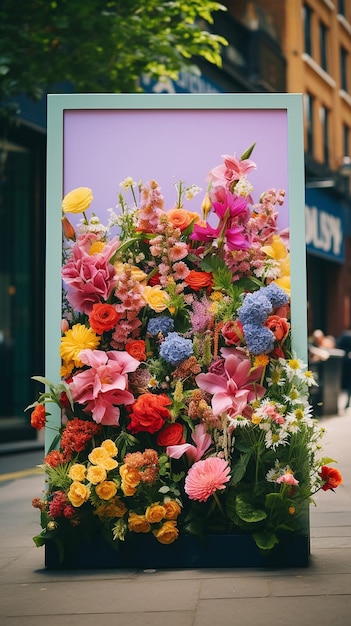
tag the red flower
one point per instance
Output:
(103, 317)
(38, 417)
(149, 413)
(331, 477)
(232, 332)
(278, 325)
(136, 349)
(171, 435)
(199, 280)
(54, 458)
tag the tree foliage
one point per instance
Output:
(101, 45)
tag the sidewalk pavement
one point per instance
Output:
(30, 595)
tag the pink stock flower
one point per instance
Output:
(205, 477)
(202, 441)
(103, 386)
(233, 391)
(90, 278)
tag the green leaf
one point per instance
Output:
(265, 540)
(241, 467)
(246, 510)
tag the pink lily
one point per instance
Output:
(231, 170)
(202, 441)
(104, 384)
(234, 391)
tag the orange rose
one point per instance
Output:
(168, 532)
(155, 513)
(172, 509)
(199, 280)
(103, 317)
(138, 523)
(149, 413)
(181, 218)
(278, 325)
(106, 490)
(136, 349)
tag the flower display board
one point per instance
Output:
(178, 427)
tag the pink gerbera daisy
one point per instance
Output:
(205, 477)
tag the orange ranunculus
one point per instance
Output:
(331, 477)
(149, 413)
(77, 472)
(278, 325)
(181, 218)
(96, 474)
(136, 349)
(130, 479)
(38, 417)
(78, 493)
(199, 280)
(103, 317)
(168, 532)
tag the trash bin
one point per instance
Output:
(327, 374)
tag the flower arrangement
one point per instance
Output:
(184, 408)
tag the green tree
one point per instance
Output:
(101, 45)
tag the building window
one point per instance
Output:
(307, 17)
(341, 8)
(309, 100)
(323, 37)
(324, 116)
(343, 68)
(346, 140)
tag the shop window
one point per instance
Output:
(342, 8)
(346, 140)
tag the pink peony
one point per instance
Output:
(205, 477)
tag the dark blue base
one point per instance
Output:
(214, 551)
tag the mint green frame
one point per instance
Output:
(58, 104)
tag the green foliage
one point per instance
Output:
(101, 46)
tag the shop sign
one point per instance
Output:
(324, 226)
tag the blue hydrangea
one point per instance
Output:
(259, 339)
(175, 349)
(162, 324)
(276, 295)
(255, 309)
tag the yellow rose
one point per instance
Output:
(155, 513)
(96, 474)
(172, 508)
(127, 489)
(130, 475)
(114, 508)
(168, 532)
(106, 490)
(138, 523)
(99, 456)
(77, 472)
(110, 447)
(78, 493)
(156, 298)
(77, 200)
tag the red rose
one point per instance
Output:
(331, 477)
(103, 317)
(278, 325)
(199, 280)
(232, 332)
(171, 435)
(136, 348)
(149, 413)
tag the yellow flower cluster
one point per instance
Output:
(102, 461)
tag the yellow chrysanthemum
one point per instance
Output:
(261, 360)
(78, 338)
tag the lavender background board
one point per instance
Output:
(103, 147)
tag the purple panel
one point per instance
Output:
(102, 148)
